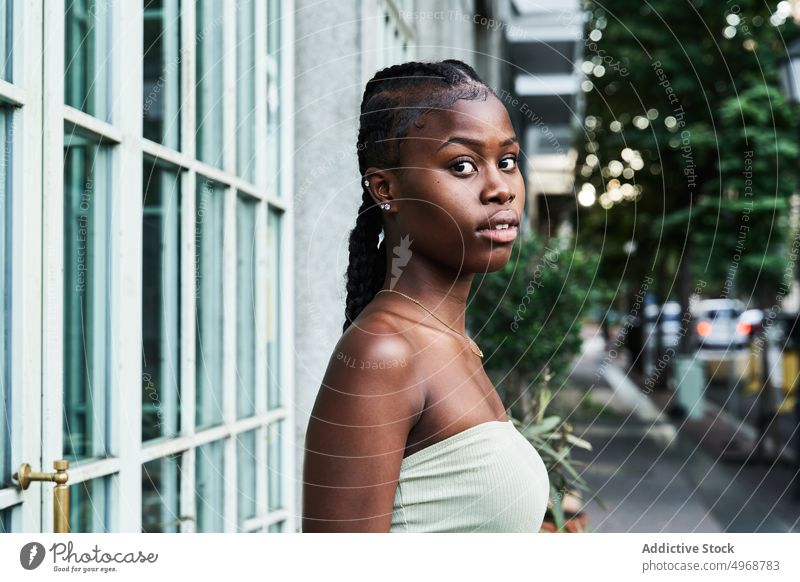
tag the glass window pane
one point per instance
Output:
(87, 56)
(5, 520)
(6, 39)
(245, 307)
(86, 219)
(162, 72)
(245, 90)
(273, 96)
(5, 267)
(208, 292)
(273, 310)
(89, 506)
(276, 527)
(209, 83)
(275, 464)
(160, 302)
(209, 487)
(161, 489)
(246, 464)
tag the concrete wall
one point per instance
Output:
(327, 192)
(444, 29)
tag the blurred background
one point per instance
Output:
(178, 183)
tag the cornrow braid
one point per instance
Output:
(393, 99)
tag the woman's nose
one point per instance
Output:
(496, 188)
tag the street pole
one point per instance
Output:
(790, 78)
(733, 395)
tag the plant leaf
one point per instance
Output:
(547, 425)
(579, 442)
(557, 509)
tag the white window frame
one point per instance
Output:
(380, 50)
(37, 336)
(24, 355)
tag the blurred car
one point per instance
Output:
(750, 321)
(670, 324)
(718, 325)
(721, 335)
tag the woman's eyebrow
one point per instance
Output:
(474, 142)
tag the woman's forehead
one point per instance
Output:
(486, 120)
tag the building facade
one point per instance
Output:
(147, 263)
(546, 46)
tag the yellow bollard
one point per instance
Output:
(791, 369)
(754, 376)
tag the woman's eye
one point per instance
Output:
(464, 168)
(511, 163)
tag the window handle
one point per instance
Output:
(25, 476)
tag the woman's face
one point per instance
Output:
(459, 171)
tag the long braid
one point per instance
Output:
(367, 267)
(393, 99)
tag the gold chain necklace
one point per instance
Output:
(479, 353)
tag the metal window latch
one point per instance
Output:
(25, 476)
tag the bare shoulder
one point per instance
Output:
(368, 403)
(373, 359)
(378, 342)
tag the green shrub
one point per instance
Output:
(527, 316)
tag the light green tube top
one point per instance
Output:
(487, 478)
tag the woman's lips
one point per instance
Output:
(504, 235)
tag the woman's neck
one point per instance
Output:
(439, 289)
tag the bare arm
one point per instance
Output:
(368, 403)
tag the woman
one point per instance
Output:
(407, 432)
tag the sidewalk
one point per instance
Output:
(654, 474)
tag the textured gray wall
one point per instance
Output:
(444, 30)
(327, 193)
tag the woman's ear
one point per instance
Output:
(381, 185)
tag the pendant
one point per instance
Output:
(479, 353)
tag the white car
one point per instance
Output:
(720, 336)
(718, 325)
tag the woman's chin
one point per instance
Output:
(497, 259)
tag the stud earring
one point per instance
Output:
(385, 206)
(366, 183)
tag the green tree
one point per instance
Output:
(687, 130)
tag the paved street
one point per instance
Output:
(654, 474)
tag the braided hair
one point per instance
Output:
(394, 98)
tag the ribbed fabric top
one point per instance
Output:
(488, 478)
